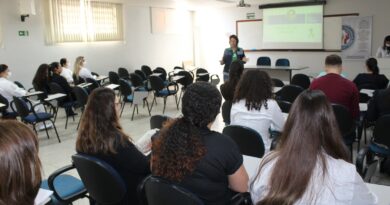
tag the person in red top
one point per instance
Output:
(338, 89)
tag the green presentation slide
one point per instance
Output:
(294, 25)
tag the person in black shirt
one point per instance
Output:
(372, 79)
(229, 87)
(101, 135)
(41, 81)
(379, 105)
(211, 165)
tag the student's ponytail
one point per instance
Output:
(372, 65)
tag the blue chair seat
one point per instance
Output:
(166, 92)
(42, 116)
(129, 98)
(379, 149)
(65, 185)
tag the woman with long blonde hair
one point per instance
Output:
(80, 71)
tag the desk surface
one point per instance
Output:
(2, 105)
(177, 77)
(251, 165)
(275, 67)
(369, 92)
(55, 96)
(101, 77)
(363, 107)
(111, 86)
(28, 94)
(156, 74)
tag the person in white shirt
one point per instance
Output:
(8, 88)
(80, 71)
(384, 50)
(66, 72)
(311, 164)
(254, 107)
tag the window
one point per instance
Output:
(83, 21)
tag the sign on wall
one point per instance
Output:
(356, 37)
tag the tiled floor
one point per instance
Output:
(55, 155)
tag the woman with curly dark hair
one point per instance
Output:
(187, 152)
(41, 79)
(254, 107)
(102, 136)
(228, 88)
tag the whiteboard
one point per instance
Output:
(250, 34)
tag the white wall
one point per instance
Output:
(214, 25)
(24, 54)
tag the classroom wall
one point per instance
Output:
(212, 26)
(25, 54)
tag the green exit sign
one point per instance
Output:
(23, 33)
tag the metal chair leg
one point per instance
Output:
(55, 129)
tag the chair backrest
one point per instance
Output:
(344, 119)
(141, 74)
(113, 77)
(277, 82)
(136, 80)
(248, 140)
(366, 165)
(285, 106)
(157, 121)
(20, 85)
(78, 80)
(156, 83)
(226, 108)
(264, 60)
(81, 95)
(301, 80)
(382, 130)
(163, 75)
(214, 80)
(199, 77)
(123, 73)
(94, 84)
(21, 107)
(160, 191)
(101, 180)
(187, 80)
(282, 62)
(125, 88)
(146, 69)
(289, 93)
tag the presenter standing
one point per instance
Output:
(234, 53)
(384, 50)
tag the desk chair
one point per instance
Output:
(5, 114)
(277, 82)
(61, 102)
(366, 164)
(289, 93)
(29, 116)
(103, 183)
(123, 73)
(185, 82)
(66, 188)
(146, 69)
(82, 99)
(204, 78)
(162, 90)
(285, 106)
(263, 60)
(248, 140)
(282, 62)
(346, 125)
(158, 191)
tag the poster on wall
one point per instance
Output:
(356, 37)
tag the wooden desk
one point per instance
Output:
(382, 193)
(277, 71)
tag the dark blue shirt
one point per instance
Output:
(228, 57)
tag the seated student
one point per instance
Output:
(8, 88)
(228, 88)
(102, 136)
(311, 163)
(20, 166)
(56, 70)
(336, 88)
(254, 107)
(41, 80)
(211, 164)
(371, 79)
(80, 71)
(379, 105)
(66, 72)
